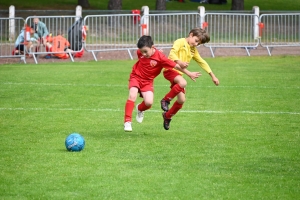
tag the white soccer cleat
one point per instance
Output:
(127, 127)
(139, 115)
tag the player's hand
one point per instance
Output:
(194, 75)
(216, 81)
(182, 64)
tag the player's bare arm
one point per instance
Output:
(192, 75)
(182, 63)
(214, 79)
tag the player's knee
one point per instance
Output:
(181, 101)
(181, 98)
(149, 103)
(132, 97)
(182, 83)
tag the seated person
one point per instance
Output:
(59, 45)
(20, 42)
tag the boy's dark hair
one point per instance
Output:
(201, 34)
(145, 41)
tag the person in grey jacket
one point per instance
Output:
(41, 30)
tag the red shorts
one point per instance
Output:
(142, 85)
(170, 76)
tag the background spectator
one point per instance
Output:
(20, 42)
(41, 30)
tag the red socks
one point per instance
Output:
(129, 106)
(128, 110)
(143, 107)
(176, 89)
(174, 109)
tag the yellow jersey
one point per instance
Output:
(182, 51)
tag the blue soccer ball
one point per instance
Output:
(75, 142)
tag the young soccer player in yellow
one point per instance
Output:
(183, 50)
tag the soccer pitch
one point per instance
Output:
(238, 140)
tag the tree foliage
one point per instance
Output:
(160, 5)
(237, 5)
(114, 5)
(84, 3)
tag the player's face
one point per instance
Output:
(193, 41)
(147, 52)
(35, 20)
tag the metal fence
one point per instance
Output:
(112, 33)
(279, 30)
(166, 28)
(10, 28)
(231, 30)
(55, 25)
(122, 31)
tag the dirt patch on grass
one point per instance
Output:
(124, 55)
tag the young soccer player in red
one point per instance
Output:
(149, 65)
(183, 50)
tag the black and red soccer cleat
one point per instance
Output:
(164, 105)
(166, 123)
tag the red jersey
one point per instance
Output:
(149, 68)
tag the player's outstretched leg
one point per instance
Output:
(167, 115)
(175, 90)
(129, 106)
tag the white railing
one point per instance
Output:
(281, 29)
(231, 30)
(112, 33)
(115, 32)
(10, 28)
(166, 28)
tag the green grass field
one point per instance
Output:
(134, 4)
(239, 140)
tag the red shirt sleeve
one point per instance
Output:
(166, 63)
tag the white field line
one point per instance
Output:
(122, 110)
(125, 85)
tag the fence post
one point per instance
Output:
(256, 34)
(145, 22)
(78, 12)
(202, 16)
(12, 23)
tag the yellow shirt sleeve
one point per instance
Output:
(201, 62)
